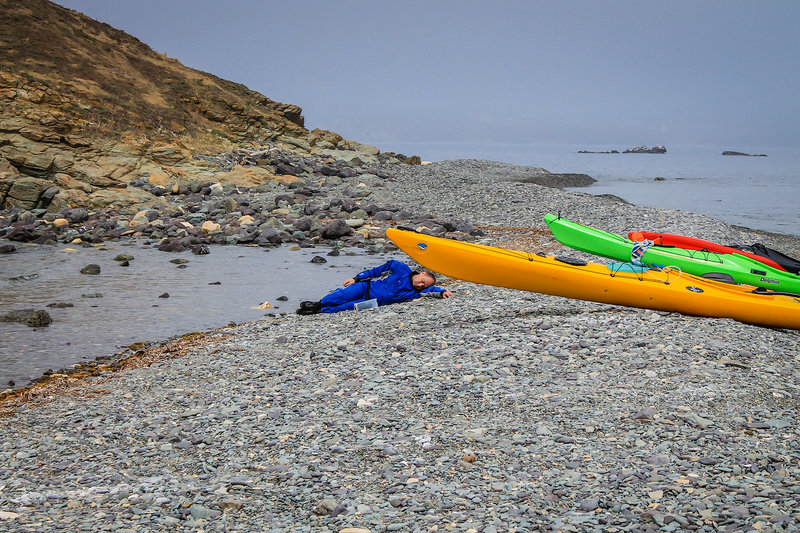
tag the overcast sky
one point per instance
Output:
(585, 72)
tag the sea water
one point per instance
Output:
(153, 299)
(755, 192)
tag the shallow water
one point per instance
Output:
(132, 308)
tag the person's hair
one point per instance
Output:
(431, 275)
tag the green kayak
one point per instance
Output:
(733, 268)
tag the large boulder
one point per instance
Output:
(22, 233)
(346, 144)
(318, 137)
(119, 198)
(250, 177)
(7, 170)
(336, 229)
(65, 181)
(75, 215)
(350, 156)
(105, 171)
(68, 198)
(168, 154)
(23, 192)
(29, 317)
(268, 235)
(29, 157)
(295, 143)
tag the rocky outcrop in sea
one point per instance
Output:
(657, 149)
(731, 152)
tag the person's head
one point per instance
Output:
(423, 280)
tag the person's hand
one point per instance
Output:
(349, 282)
(447, 294)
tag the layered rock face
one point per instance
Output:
(86, 109)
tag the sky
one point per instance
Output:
(615, 73)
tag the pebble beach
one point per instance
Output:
(494, 411)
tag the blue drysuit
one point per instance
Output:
(389, 283)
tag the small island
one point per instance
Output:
(730, 152)
(657, 149)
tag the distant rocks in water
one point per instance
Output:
(657, 149)
(730, 152)
(7, 249)
(124, 259)
(29, 317)
(24, 277)
(91, 270)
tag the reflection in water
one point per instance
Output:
(150, 300)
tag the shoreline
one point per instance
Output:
(490, 172)
(497, 409)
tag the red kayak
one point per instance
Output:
(690, 243)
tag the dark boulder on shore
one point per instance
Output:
(171, 245)
(336, 229)
(23, 233)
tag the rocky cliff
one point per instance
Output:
(86, 108)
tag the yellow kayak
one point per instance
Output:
(616, 283)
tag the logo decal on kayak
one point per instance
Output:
(767, 280)
(421, 245)
(694, 289)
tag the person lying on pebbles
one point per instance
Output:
(389, 283)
